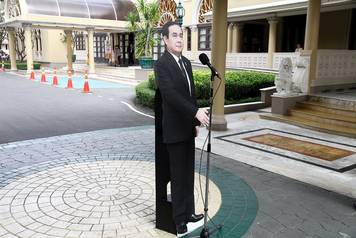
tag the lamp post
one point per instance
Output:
(180, 13)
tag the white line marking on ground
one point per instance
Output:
(133, 109)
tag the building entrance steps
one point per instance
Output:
(110, 73)
(332, 112)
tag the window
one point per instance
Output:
(38, 40)
(158, 48)
(189, 39)
(80, 42)
(204, 42)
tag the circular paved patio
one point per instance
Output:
(106, 194)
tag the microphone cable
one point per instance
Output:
(201, 161)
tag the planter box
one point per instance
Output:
(146, 62)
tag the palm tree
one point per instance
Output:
(142, 23)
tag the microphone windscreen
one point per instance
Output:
(203, 58)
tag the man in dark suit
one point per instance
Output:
(180, 120)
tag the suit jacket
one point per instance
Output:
(178, 106)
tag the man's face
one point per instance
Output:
(174, 42)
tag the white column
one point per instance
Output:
(234, 38)
(91, 51)
(28, 45)
(218, 59)
(194, 42)
(12, 50)
(112, 42)
(229, 38)
(272, 40)
(185, 34)
(312, 36)
(240, 27)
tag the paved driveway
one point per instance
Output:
(33, 110)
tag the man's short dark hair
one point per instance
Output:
(165, 28)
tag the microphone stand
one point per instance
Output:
(205, 233)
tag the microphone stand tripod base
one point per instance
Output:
(205, 233)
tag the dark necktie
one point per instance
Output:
(184, 74)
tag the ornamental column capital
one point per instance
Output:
(272, 20)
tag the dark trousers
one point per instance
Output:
(118, 60)
(181, 160)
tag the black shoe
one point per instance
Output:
(181, 228)
(195, 217)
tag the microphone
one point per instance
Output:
(205, 61)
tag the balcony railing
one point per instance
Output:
(334, 67)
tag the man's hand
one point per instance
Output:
(202, 116)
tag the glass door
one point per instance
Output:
(99, 47)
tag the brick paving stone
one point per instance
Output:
(2, 231)
(91, 234)
(14, 227)
(9, 236)
(80, 227)
(24, 221)
(61, 224)
(73, 234)
(43, 229)
(57, 232)
(34, 226)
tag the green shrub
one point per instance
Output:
(245, 84)
(21, 65)
(151, 81)
(240, 87)
(145, 95)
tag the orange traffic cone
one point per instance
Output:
(32, 75)
(55, 79)
(43, 77)
(69, 83)
(86, 83)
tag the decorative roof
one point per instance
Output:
(205, 6)
(167, 8)
(92, 9)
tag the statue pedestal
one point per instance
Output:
(281, 104)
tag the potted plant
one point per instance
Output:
(142, 23)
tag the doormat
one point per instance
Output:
(315, 150)
(325, 152)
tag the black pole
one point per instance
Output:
(205, 233)
(164, 217)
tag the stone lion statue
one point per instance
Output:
(284, 80)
